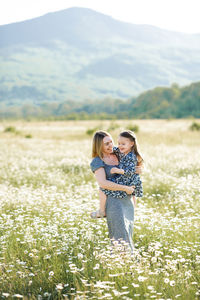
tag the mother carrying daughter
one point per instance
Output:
(119, 206)
(129, 158)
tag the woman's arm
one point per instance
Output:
(107, 184)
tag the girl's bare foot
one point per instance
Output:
(97, 214)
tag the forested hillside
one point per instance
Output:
(174, 102)
(161, 102)
(78, 54)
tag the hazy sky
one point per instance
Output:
(177, 15)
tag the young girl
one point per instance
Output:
(129, 158)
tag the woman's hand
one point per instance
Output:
(130, 189)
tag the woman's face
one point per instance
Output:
(107, 146)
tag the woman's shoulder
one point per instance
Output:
(96, 163)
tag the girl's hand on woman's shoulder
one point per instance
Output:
(113, 170)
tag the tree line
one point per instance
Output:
(160, 103)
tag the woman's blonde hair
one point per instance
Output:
(97, 143)
(132, 137)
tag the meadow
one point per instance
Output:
(50, 248)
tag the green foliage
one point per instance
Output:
(159, 103)
(113, 126)
(10, 129)
(195, 126)
(133, 127)
(91, 131)
(28, 136)
(168, 103)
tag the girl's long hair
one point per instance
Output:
(97, 143)
(132, 137)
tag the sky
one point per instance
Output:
(176, 15)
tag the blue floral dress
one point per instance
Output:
(127, 163)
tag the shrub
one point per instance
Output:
(28, 136)
(133, 127)
(112, 127)
(91, 131)
(195, 126)
(11, 129)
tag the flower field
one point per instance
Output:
(50, 248)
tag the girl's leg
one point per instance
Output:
(134, 201)
(102, 203)
(101, 212)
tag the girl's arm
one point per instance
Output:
(132, 167)
(139, 168)
(117, 171)
(107, 184)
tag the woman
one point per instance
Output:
(119, 211)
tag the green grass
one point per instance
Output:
(50, 247)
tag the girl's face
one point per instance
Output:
(107, 146)
(125, 145)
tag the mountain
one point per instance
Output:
(78, 54)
